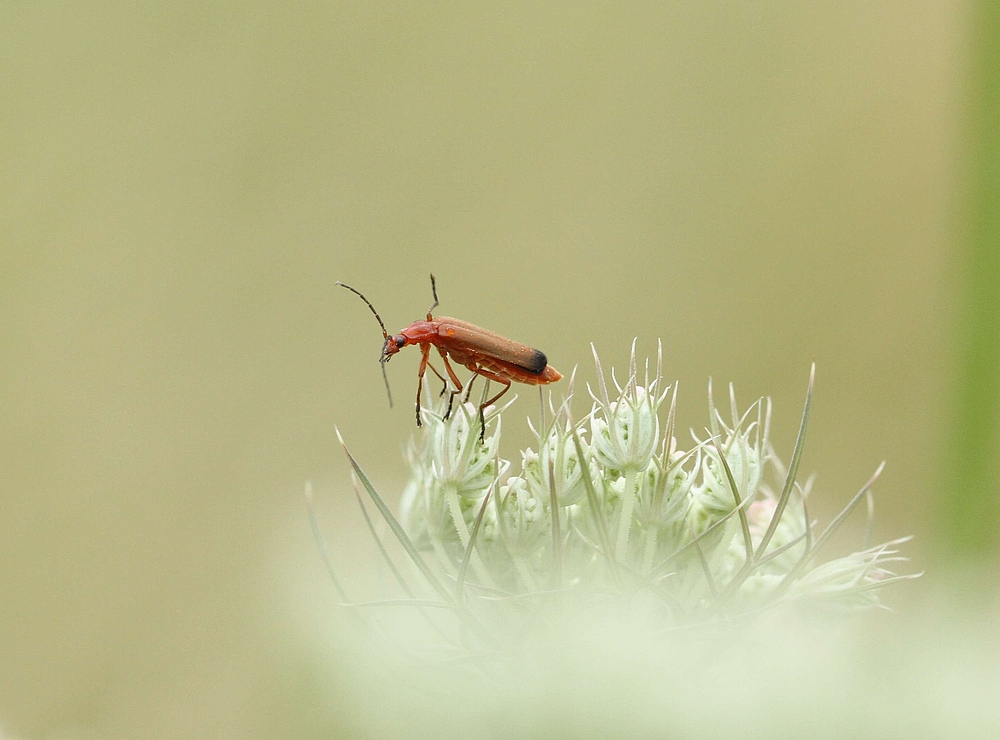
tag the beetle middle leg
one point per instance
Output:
(425, 362)
(454, 379)
(443, 379)
(454, 391)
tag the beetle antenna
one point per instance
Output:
(386, 378)
(434, 291)
(385, 336)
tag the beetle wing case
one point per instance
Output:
(475, 339)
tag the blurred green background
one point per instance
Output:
(759, 184)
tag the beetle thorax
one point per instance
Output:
(419, 332)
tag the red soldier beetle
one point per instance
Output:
(482, 351)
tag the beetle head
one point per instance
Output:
(392, 345)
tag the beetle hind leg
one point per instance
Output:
(505, 382)
(468, 388)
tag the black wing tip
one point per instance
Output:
(537, 362)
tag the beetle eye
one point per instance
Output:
(400, 341)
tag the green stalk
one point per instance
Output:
(970, 501)
(625, 523)
(652, 537)
(525, 572)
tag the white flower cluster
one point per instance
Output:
(610, 504)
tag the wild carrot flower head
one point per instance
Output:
(611, 511)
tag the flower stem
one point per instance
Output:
(625, 523)
(652, 536)
(968, 500)
(525, 572)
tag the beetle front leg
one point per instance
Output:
(425, 353)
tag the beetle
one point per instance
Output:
(482, 351)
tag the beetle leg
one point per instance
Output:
(454, 379)
(451, 398)
(440, 377)
(451, 401)
(506, 387)
(425, 353)
(434, 305)
(468, 388)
